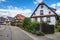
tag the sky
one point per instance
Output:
(24, 7)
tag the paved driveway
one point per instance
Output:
(12, 33)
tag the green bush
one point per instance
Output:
(26, 22)
(38, 33)
(21, 23)
(58, 25)
(43, 23)
(33, 26)
(56, 30)
(29, 26)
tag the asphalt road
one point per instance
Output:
(12, 33)
(15, 33)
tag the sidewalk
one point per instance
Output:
(35, 37)
(55, 36)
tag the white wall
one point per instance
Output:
(52, 21)
(44, 19)
(38, 19)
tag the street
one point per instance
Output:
(15, 33)
(12, 33)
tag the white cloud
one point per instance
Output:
(58, 11)
(2, 0)
(53, 5)
(58, 4)
(12, 7)
(37, 1)
(12, 11)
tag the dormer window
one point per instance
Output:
(41, 12)
(41, 6)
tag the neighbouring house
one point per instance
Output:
(9, 20)
(19, 17)
(44, 13)
(2, 20)
(6, 20)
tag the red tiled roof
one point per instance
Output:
(20, 16)
(45, 15)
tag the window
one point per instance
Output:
(41, 12)
(48, 19)
(41, 6)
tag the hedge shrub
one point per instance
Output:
(33, 26)
(38, 33)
